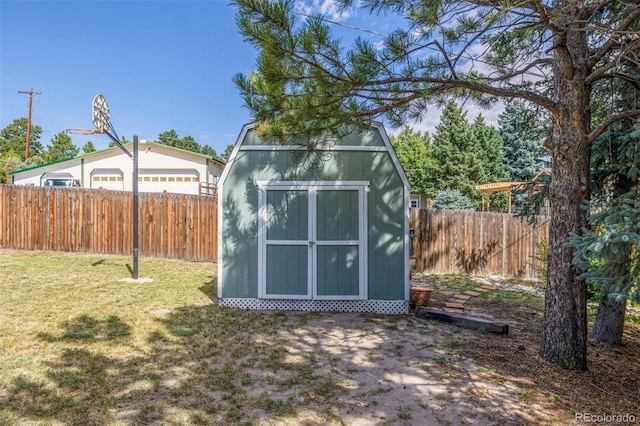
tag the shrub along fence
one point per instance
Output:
(476, 243)
(173, 226)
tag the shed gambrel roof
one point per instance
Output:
(379, 127)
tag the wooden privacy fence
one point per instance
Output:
(475, 242)
(178, 226)
(174, 226)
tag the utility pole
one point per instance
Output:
(30, 93)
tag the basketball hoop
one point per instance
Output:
(101, 118)
(82, 131)
(100, 114)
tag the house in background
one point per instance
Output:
(160, 168)
(314, 225)
(419, 201)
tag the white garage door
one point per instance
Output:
(174, 181)
(107, 179)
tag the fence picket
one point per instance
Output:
(475, 242)
(100, 221)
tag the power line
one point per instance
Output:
(28, 141)
(351, 27)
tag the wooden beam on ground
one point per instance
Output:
(464, 321)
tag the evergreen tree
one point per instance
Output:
(188, 143)
(608, 251)
(170, 138)
(452, 200)
(61, 147)
(227, 152)
(123, 141)
(468, 155)
(454, 152)
(208, 151)
(13, 139)
(88, 147)
(490, 150)
(413, 149)
(522, 133)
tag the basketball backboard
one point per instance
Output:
(100, 113)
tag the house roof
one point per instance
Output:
(116, 148)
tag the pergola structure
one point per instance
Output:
(488, 188)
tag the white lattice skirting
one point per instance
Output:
(373, 306)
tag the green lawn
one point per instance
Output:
(80, 347)
(74, 337)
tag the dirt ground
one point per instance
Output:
(416, 372)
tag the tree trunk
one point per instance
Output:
(564, 333)
(609, 323)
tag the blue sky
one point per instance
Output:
(161, 65)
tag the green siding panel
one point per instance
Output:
(337, 215)
(287, 215)
(287, 269)
(386, 245)
(365, 138)
(338, 272)
(239, 234)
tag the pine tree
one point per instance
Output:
(88, 147)
(467, 155)
(454, 151)
(227, 152)
(188, 143)
(489, 148)
(413, 149)
(608, 251)
(13, 139)
(61, 147)
(522, 133)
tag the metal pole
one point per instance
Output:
(135, 207)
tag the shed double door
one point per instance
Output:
(312, 241)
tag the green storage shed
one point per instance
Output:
(315, 225)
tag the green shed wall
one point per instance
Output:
(385, 210)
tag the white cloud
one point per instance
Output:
(326, 8)
(431, 118)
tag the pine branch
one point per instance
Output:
(600, 129)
